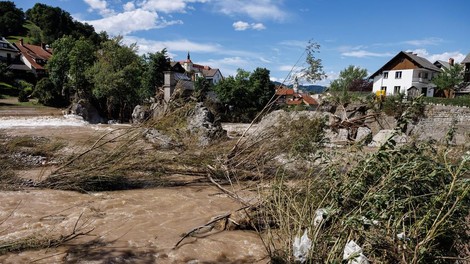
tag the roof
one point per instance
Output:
(284, 91)
(294, 102)
(419, 61)
(467, 59)
(444, 64)
(5, 45)
(33, 53)
(209, 72)
(309, 100)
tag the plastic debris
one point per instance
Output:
(353, 254)
(319, 216)
(301, 247)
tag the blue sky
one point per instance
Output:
(231, 34)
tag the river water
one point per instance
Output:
(134, 226)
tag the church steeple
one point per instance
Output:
(188, 58)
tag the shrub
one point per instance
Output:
(401, 205)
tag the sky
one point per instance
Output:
(273, 34)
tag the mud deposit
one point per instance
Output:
(134, 226)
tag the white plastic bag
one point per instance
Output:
(353, 254)
(301, 247)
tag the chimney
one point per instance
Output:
(451, 61)
(21, 41)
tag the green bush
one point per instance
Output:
(401, 205)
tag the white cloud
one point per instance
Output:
(169, 6)
(258, 26)
(129, 6)
(130, 21)
(294, 43)
(288, 68)
(424, 42)
(364, 53)
(456, 55)
(101, 6)
(151, 46)
(241, 26)
(256, 9)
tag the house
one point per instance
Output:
(34, 57)
(213, 75)
(8, 52)
(290, 96)
(465, 88)
(404, 71)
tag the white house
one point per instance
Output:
(405, 72)
(8, 52)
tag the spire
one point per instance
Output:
(189, 57)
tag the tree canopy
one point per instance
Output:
(449, 79)
(11, 19)
(351, 78)
(244, 94)
(116, 78)
(155, 64)
(314, 70)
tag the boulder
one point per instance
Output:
(380, 138)
(362, 134)
(86, 110)
(203, 124)
(159, 139)
(140, 114)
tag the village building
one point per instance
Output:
(292, 96)
(406, 73)
(196, 70)
(34, 57)
(8, 52)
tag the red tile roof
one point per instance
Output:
(33, 53)
(284, 91)
(309, 100)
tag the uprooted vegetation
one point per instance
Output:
(401, 204)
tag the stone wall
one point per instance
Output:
(438, 121)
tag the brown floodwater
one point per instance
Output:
(135, 226)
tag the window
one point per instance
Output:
(383, 88)
(385, 75)
(396, 90)
(424, 91)
(426, 75)
(398, 75)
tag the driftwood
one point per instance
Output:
(353, 122)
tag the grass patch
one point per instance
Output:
(457, 101)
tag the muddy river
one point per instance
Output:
(135, 226)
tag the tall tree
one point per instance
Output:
(59, 64)
(155, 64)
(449, 79)
(81, 57)
(11, 19)
(116, 76)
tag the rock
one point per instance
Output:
(362, 134)
(87, 111)
(380, 138)
(157, 138)
(337, 137)
(202, 124)
(140, 114)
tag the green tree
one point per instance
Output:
(59, 64)
(314, 70)
(47, 94)
(201, 88)
(11, 19)
(348, 79)
(245, 94)
(449, 79)
(81, 57)
(116, 76)
(155, 65)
